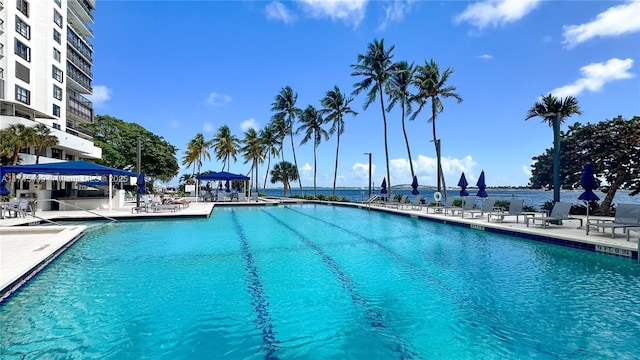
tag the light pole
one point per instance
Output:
(369, 173)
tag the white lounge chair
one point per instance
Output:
(627, 215)
(487, 207)
(559, 212)
(399, 203)
(416, 203)
(515, 209)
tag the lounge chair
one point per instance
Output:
(515, 209)
(241, 197)
(371, 199)
(454, 209)
(220, 197)
(254, 197)
(416, 203)
(487, 207)
(633, 229)
(440, 207)
(399, 203)
(559, 213)
(627, 215)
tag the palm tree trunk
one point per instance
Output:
(295, 162)
(556, 158)
(386, 147)
(257, 182)
(315, 166)
(266, 175)
(335, 173)
(406, 140)
(436, 143)
(605, 206)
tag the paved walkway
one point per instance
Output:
(25, 250)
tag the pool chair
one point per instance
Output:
(416, 203)
(515, 209)
(559, 213)
(453, 209)
(371, 199)
(220, 197)
(487, 207)
(254, 197)
(633, 230)
(399, 203)
(627, 215)
(241, 197)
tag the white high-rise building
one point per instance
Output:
(45, 73)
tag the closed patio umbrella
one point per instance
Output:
(226, 186)
(482, 193)
(142, 189)
(414, 186)
(3, 187)
(383, 187)
(463, 185)
(589, 184)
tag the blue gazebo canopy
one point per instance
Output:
(222, 176)
(66, 168)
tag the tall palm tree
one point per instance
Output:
(312, 122)
(285, 110)
(272, 145)
(253, 151)
(553, 111)
(431, 84)
(336, 105)
(43, 139)
(398, 90)
(197, 151)
(284, 172)
(225, 146)
(376, 67)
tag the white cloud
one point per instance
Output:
(496, 12)
(101, 94)
(615, 21)
(395, 12)
(526, 169)
(595, 75)
(248, 124)
(486, 56)
(207, 127)
(306, 173)
(216, 99)
(349, 11)
(276, 11)
(173, 124)
(360, 172)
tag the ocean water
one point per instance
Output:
(534, 198)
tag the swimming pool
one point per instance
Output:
(319, 282)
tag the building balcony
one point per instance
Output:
(79, 107)
(75, 20)
(80, 44)
(77, 80)
(83, 8)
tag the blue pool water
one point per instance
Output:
(321, 282)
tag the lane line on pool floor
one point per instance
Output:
(255, 288)
(376, 319)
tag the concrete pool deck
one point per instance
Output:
(27, 246)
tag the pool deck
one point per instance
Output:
(28, 244)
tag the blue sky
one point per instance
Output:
(183, 67)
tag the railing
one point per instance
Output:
(77, 207)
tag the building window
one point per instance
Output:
(58, 2)
(23, 7)
(23, 28)
(56, 110)
(57, 73)
(56, 54)
(57, 18)
(23, 95)
(57, 92)
(23, 50)
(56, 153)
(57, 36)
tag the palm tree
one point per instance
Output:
(197, 150)
(188, 179)
(553, 111)
(398, 90)
(376, 67)
(272, 145)
(225, 146)
(432, 85)
(253, 151)
(336, 105)
(20, 136)
(43, 139)
(284, 172)
(312, 122)
(286, 111)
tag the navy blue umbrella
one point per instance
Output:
(482, 193)
(414, 185)
(3, 188)
(142, 189)
(226, 186)
(589, 184)
(383, 187)
(463, 185)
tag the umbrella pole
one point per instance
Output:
(587, 225)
